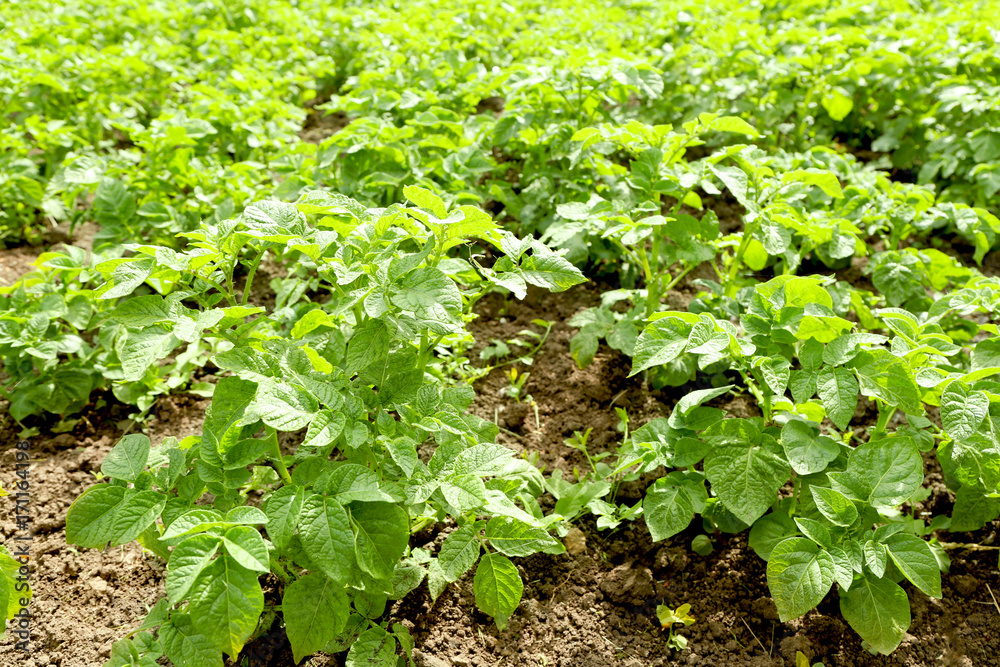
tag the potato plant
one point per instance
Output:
(387, 448)
(819, 487)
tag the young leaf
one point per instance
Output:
(227, 601)
(459, 552)
(315, 610)
(326, 536)
(187, 560)
(838, 390)
(497, 587)
(382, 533)
(878, 610)
(915, 560)
(128, 458)
(799, 574)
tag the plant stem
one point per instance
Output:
(884, 415)
(679, 277)
(253, 270)
(272, 435)
(738, 260)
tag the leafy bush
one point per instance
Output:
(388, 445)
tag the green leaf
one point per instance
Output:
(806, 450)
(315, 610)
(187, 560)
(106, 513)
(733, 124)
(436, 579)
(283, 508)
(838, 390)
(431, 296)
(143, 349)
(883, 473)
(799, 574)
(660, 342)
(127, 458)
(426, 199)
(459, 552)
(113, 203)
(185, 645)
(837, 103)
(497, 587)
(247, 548)
(549, 270)
(668, 509)
(973, 510)
(484, 460)
(349, 482)
(224, 417)
(326, 536)
(776, 371)
(286, 407)
(746, 477)
(382, 533)
(835, 506)
(192, 521)
(517, 539)
(963, 411)
(914, 558)
(888, 378)
(843, 573)
(876, 557)
(373, 648)
(878, 610)
(368, 346)
(127, 276)
(826, 181)
(143, 311)
(769, 531)
(735, 179)
(227, 602)
(815, 531)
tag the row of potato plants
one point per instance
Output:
(389, 445)
(822, 486)
(57, 346)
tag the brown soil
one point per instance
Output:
(568, 398)
(319, 125)
(594, 607)
(83, 600)
(15, 262)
